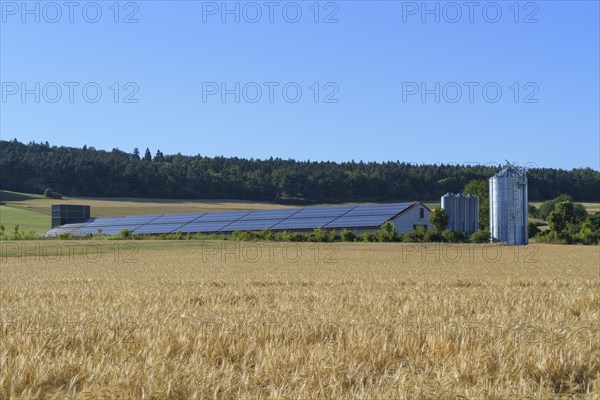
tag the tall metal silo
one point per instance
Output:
(508, 206)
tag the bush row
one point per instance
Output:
(17, 234)
(386, 234)
(566, 237)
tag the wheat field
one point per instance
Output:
(213, 320)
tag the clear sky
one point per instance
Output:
(421, 82)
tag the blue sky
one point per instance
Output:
(370, 60)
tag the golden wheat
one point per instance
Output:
(274, 320)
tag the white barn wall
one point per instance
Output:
(405, 221)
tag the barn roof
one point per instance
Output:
(292, 219)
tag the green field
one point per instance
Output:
(8, 197)
(26, 219)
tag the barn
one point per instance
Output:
(361, 218)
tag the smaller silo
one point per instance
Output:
(461, 221)
(448, 204)
(463, 212)
(472, 218)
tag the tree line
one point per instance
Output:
(85, 171)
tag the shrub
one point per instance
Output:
(124, 234)
(347, 235)
(282, 236)
(16, 233)
(247, 236)
(579, 212)
(240, 235)
(333, 236)
(439, 218)
(532, 211)
(29, 235)
(532, 229)
(285, 236)
(590, 229)
(380, 236)
(318, 235)
(367, 237)
(433, 236)
(48, 192)
(388, 232)
(418, 235)
(453, 237)
(297, 237)
(267, 234)
(481, 236)
(548, 206)
(560, 238)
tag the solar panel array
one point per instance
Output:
(308, 218)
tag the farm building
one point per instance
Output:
(364, 218)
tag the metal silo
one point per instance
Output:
(462, 213)
(449, 205)
(508, 206)
(472, 203)
(476, 213)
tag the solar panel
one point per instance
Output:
(206, 227)
(112, 229)
(302, 223)
(222, 216)
(78, 221)
(74, 226)
(57, 231)
(125, 220)
(271, 214)
(88, 230)
(359, 221)
(138, 219)
(323, 212)
(67, 228)
(174, 218)
(104, 221)
(252, 225)
(158, 228)
(389, 209)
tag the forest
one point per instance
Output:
(34, 167)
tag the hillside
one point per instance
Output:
(89, 172)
